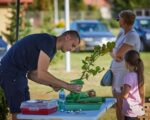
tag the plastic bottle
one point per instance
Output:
(61, 101)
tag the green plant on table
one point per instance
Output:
(88, 69)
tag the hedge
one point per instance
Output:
(3, 106)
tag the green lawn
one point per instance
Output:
(40, 92)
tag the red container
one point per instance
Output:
(39, 107)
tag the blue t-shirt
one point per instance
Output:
(24, 54)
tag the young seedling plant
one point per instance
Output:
(88, 67)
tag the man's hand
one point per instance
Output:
(55, 88)
(74, 88)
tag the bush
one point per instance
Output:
(114, 24)
(110, 23)
(3, 106)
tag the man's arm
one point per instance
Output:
(33, 76)
(42, 76)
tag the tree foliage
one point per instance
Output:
(140, 4)
(42, 5)
(74, 5)
(77, 5)
(88, 67)
(3, 106)
(10, 35)
(24, 25)
(119, 5)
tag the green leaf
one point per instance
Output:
(88, 63)
(84, 67)
(84, 62)
(87, 76)
(97, 68)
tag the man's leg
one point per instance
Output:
(16, 91)
(14, 116)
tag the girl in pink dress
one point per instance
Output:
(133, 88)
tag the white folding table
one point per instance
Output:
(79, 115)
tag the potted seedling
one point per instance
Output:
(88, 68)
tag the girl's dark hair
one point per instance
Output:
(133, 58)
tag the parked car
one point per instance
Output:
(142, 26)
(92, 33)
(3, 47)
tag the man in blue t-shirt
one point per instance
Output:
(30, 58)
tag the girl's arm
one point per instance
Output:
(125, 91)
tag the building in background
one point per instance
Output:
(142, 12)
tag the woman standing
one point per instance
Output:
(127, 39)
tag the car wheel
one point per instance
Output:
(142, 46)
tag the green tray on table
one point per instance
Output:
(81, 106)
(89, 103)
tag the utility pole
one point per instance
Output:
(67, 27)
(17, 18)
(55, 11)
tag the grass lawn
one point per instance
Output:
(40, 92)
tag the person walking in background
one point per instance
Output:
(30, 58)
(133, 87)
(127, 39)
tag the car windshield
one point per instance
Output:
(145, 23)
(91, 27)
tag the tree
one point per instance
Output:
(41, 5)
(74, 5)
(77, 5)
(11, 27)
(140, 4)
(24, 26)
(119, 5)
(3, 106)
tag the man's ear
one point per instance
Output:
(67, 37)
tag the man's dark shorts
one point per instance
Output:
(14, 83)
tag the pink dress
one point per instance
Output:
(131, 106)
